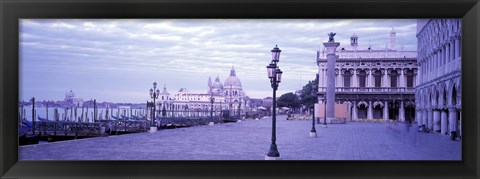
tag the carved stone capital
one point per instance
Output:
(383, 71)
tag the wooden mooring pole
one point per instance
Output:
(47, 110)
(95, 110)
(33, 115)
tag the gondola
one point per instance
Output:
(119, 118)
(23, 137)
(27, 139)
(139, 118)
(42, 119)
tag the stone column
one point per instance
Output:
(385, 79)
(434, 64)
(340, 78)
(447, 57)
(370, 77)
(452, 55)
(418, 117)
(460, 125)
(425, 117)
(370, 110)
(428, 69)
(385, 111)
(430, 119)
(452, 119)
(355, 78)
(457, 47)
(425, 70)
(436, 121)
(320, 79)
(402, 79)
(401, 112)
(432, 67)
(331, 60)
(324, 71)
(420, 71)
(439, 62)
(354, 111)
(444, 122)
(415, 77)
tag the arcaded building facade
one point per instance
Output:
(438, 94)
(376, 84)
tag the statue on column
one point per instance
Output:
(330, 37)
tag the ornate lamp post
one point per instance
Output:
(212, 100)
(275, 76)
(239, 108)
(154, 95)
(325, 112)
(313, 132)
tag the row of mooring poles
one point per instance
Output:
(83, 117)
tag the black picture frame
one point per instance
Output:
(12, 10)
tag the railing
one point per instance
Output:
(370, 89)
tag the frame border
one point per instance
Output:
(12, 10)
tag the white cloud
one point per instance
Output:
(180, 52)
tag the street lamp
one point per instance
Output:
(239, 108)
(212, 99)
(275, 76)
(325, 112)
(154, 95)
(313, 132)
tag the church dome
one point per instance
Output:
(70, 95)
(232, 80)
(217, 84)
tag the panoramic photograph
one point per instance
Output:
(240, 89)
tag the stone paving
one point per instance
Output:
(250, 140)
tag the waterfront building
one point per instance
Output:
(227, 96)
(439, 93)
(375, 83)
(71, 100)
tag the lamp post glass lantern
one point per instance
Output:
(275, 76)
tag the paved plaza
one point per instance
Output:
(250, 140)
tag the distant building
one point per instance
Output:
(375, 83)
(227, 96)
(71, 100)
(439, 91)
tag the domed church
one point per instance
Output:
(227, 96)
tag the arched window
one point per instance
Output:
(410, 78)
(454, 96)
(362, 79)
(346, 78)
(393, 79)
(378, 78)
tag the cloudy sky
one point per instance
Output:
(118, 60)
